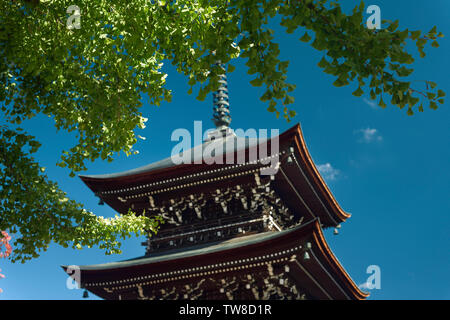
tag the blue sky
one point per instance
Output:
(387, 169)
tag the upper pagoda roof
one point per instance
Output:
(195, 156)
(297, 178)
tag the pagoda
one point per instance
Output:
(247, 230)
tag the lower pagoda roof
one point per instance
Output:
(300, 256)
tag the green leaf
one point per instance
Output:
(358, 93)
(393, 26)
(404, 72)
(381, 103)
(323, 63)
(413, 101)
(415, 34)
(271, 107)
(289, 100)
(431, 95)
(291, 87)
(305, 38)
(432, 84)
(373, 96)
(256, 82)
(433, 105)
(433, 30)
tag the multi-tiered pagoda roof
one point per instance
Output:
(232, 231)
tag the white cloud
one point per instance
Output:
(369, 135)
(328, 172)
(371, 103)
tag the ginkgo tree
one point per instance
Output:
(91, 80)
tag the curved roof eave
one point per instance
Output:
(334, 262)
(317, 178)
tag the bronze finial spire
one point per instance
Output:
(221, 105)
